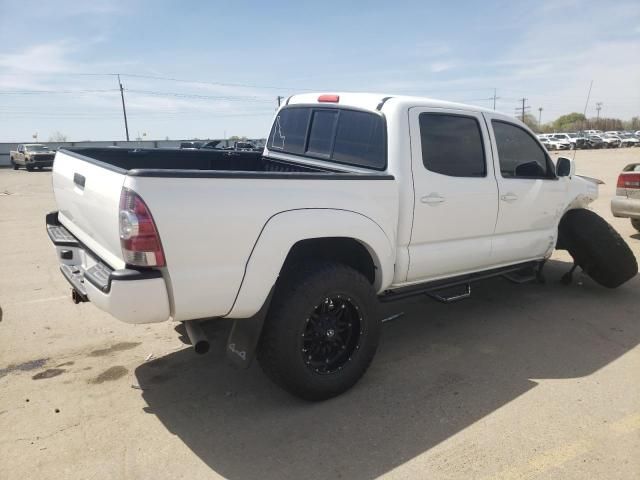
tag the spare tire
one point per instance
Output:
(597, 248)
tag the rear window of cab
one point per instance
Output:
(339, 135)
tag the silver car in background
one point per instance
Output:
(626, 203)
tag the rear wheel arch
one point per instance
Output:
(344, 250)
(330, 234)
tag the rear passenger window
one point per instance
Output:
(452, 145)
(520, 155)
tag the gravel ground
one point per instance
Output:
(520, 381)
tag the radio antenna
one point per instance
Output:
(584, 114)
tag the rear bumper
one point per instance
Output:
(624, 207)
(130, 295)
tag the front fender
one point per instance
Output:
(285, 229)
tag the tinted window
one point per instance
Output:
(452, 145)
(343, 136)
(360, 140)
(322, 130)
(289, 130)
(520, 155)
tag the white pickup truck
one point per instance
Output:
(356, 199)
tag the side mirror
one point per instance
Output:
(565, 167)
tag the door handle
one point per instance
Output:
(432, 199)
(509, 197)
(79, 180)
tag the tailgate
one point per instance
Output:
(87, 193)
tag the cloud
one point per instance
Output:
(438, 67)
(43, 58)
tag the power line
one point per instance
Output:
(221, 84)
(246, 98)
(54, 92)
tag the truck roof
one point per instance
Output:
(375, 101)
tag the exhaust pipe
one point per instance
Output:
(196, 335)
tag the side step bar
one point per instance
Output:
(456, 297)
(434, 288)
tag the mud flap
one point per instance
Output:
(244, 337)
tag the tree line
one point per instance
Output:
(575, 122)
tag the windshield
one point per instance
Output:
(573, 135)
(36, 148)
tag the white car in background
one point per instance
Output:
(626, 203)
(559, 141)
(593, 132)
(546, 142)
(629, 140)
(611, 140)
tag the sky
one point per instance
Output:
(206, 69)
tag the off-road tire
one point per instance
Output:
(299, 292)
(29, 168)
(635, 223)
(597, 248)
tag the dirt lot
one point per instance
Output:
(521, 381)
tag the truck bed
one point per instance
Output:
(167, 162)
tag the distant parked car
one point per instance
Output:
(190, 145)
(626, 203)
(595, 141)
(31, 155)
(245, 146)
(575, 140)
(545, 142)
(592, 132)
(611, 141)
(561, 140)
(629, 140)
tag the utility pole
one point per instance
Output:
(598, 108)
(495, 98)
(280, 100)
(124, 109)
(540, 116)
(522, 110)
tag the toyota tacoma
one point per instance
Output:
(356, 199)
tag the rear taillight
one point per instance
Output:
(138, 233)
(629, 180)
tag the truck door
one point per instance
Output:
(531, 197)
(455, 193)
